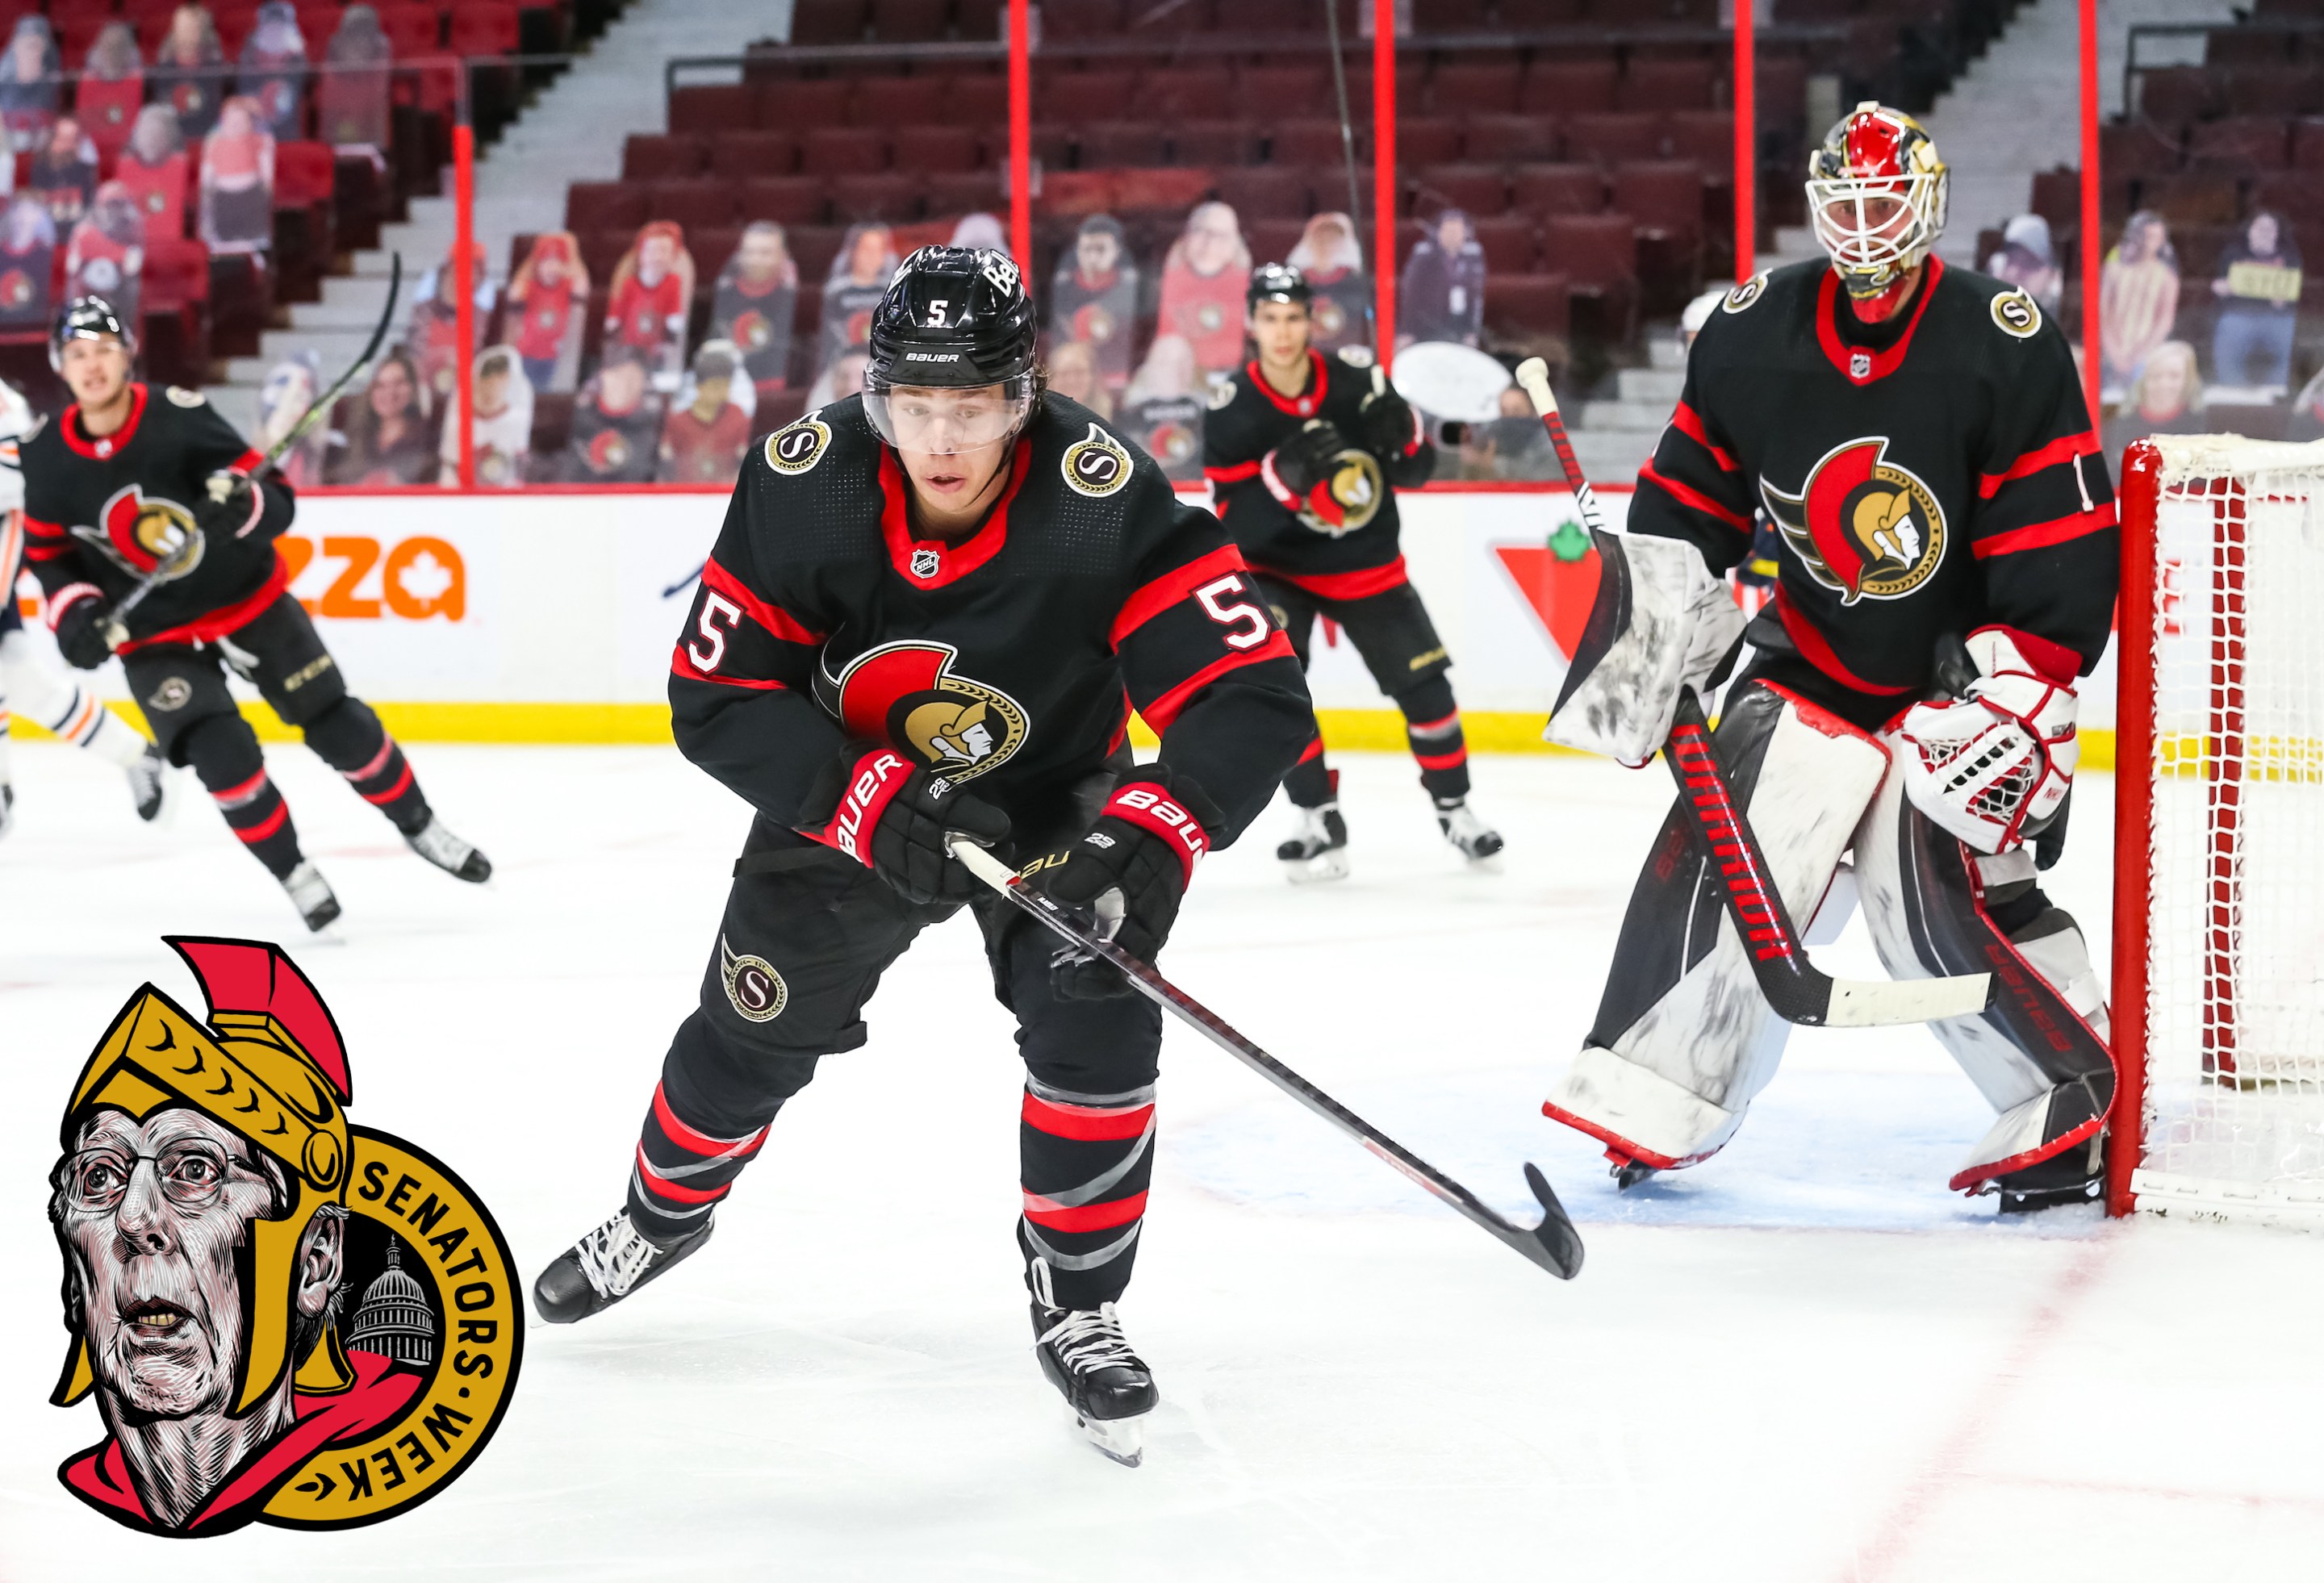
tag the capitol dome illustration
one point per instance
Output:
(394, 1318)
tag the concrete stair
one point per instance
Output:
(1613, 437)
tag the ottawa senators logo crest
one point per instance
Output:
(797, 449)
(1357, 488)
(1095, 465)
(905, 695)
(138, 532)
(246, 1268)
(1863, 526)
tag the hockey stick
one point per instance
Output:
(1794, 989)
(1554, 1245)
(116, 626)
(687, 582)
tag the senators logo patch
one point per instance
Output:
(174, 694)
(905, 695)
(1095, 465)
(332, 1303)
(184, 397)
(797, 449)
(1222, 395)
(2017, 314)
(138, 532)
(1357, 488)
(753, 989)
(1356, 356)
(1746, 294)
(1861, 525)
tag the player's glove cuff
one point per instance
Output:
(897, 819)
(77, 615)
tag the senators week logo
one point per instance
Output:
(284, 1318)
(905, 695)
(1861, 525)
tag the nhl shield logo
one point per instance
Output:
(927, 563)
(1861, 525)
(1859, 363)
(906, 694)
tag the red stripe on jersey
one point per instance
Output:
(1306, 404)
(662, 1186)
(1085, 1123)
(39, 530)
(953, 561)
(1173, 587)
(1314, 749)
(681, 664)
(381, 798)
(1693, 499)
(2054, 661)
(779, 623)
(702, 1143)
(246, 464)
(1452, 761)
(1878, 364)
(1052, 1216)
(1344, 585)
(1164, 709)
(208, 629)
(99, 450)
(1690, 425)
(2085, 443)
(243, 792)
(2042, 535)
(1819, 653)
(1234, 475)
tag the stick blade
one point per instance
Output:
(1858, 1005)
(1556, 1246)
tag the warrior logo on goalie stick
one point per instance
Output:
(1861, 525)
(905, 695)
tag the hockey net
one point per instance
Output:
(2219, 963)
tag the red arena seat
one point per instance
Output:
(1651, 83)
(1541, 191)
(829, 22)
(788, 200)
(842, 150)
(1266, 191)
(1610, 139)
(796, 105)
(1078, 97)
(925, 150)
(1487, 87)
(910, 22)
(1508, 139)
(1222, 143)
(591, 206)
(1111, 143)
(646, 157)
(1522, 309)
(1663, 197)
(703, 202)
(1507, 240)
(1481, 191)
(1570, 87)
(879, 195)
(708, 109)
(742, 155)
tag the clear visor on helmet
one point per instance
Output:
(1875, 225)
(944, 420)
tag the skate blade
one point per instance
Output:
(1321, 868)
(1118, 1439)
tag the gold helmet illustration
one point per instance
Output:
(268, 1065)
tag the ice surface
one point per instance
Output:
(1803, 1361)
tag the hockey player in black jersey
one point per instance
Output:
(1305, 454)
(1918, 435)
(931, 609)
(133, 484)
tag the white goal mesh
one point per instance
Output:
(2225, 732)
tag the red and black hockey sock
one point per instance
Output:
(225, 754)
(1432, 727)
(351, 740)
(1310, 784)
(708, 1119)
(1086, 1160)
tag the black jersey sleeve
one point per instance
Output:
(1692, 487)
(1207, 668)
(1234, 451)
(2044, 529)
(741, 683)
(211, 445)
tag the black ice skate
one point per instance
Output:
(310, 893)
(1628, 1173)
(1464, 830)
(605, 1266)
(7, 806)
(2074, 1177)
(1318, 847)
(1108, 1388)
(149, 783)
(448, 852)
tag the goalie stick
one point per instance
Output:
(116, 626)
(1794, 989)
(1554, 1245)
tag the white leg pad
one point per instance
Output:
(1648, 1116)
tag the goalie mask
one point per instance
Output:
(951, 364)
(1876, 198)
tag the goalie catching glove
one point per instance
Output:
(1126, 876)
(1660, 623)
(892, 818)
(1994, 766)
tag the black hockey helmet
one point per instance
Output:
(86, 318)
(1274, 283)
(954, 319)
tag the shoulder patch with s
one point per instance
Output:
(1356, 356)
(1223, 395)
(184, 397)
(796, 448)
(1743, 296)
(2017, 314)
(1096, 465)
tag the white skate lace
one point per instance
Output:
(613, 1256)
(440, 847)
(1090, 1339)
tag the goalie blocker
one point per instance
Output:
(1684, 1038)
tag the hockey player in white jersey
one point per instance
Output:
(39, 686)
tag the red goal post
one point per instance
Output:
(2218, 926)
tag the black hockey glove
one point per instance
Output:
(1305, 460)
(1390, 427)
(81, 628)
(892, 818)
(1125, 878)
(231, 507)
